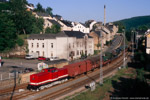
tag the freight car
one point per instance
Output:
(52, 76)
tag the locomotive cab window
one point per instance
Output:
(33, 78)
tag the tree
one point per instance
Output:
(7, 32)
(39, 8)
(54, 29)
(22, 18)
(49, 11)
(25, 22)
(37, 26)
(48, 30)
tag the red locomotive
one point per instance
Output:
(46, 76)
(52, 76)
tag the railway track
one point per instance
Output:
(9, 90)
(27, 93)
(80, 84)
(75, 86)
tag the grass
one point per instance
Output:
(100, 92)
(23, 36)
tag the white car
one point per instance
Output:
(53, 58)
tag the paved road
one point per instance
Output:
(22, 63)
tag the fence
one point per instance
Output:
(8, 76)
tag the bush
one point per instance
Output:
(96, 52)
(20, 42)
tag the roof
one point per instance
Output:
(76, 34)
(42, 14)
(83, 25)
(67, 23)
(54, 22)
(58, 17)
(55, 61)
(42, 36)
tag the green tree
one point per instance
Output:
(39, 8)
(22, 18)
(49, 11)
(7, 32)
(20, 42)
(48, 30)
(37, 26)
(55, 29)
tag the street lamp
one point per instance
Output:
(101, 69)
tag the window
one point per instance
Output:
(77, 52)
(73, 45)
(33, 78)
(43, 53)
(51, 45)
(69, 45)
(43, 45)
(38, 53)
(32, 45)
(77, 44)
(51, 54)
(37, 45)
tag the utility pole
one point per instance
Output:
(101, 65)
(133, 44)
(136, 40)
(124, 60)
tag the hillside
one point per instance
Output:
(135, 22)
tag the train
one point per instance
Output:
(52, 76)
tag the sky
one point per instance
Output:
(83, 10)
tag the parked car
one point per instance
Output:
(53, 58)
(42, 58)
(31, 56)
(28, 70)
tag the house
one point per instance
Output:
(30, 7)
(81, 27)
(148, 41)
(65, 25)
(58, 17)
(98, 39)
(113, 28)
(50, 22)
(42, 15)
(65, 45)
(90, 24)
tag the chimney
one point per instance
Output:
(104, 15)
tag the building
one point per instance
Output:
(90, 24)
(98, 39)
(30, 7)
(81, 27)
(65, 25)
(50, 22)
(148, 41)
(42, 15)
(65, 45)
